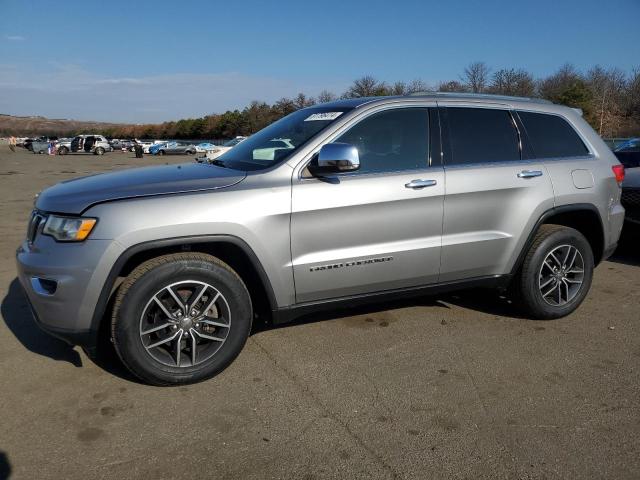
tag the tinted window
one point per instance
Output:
(551, 136)
(479, 135)
(391, 140)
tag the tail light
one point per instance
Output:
(618, 171)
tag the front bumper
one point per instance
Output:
(62, 282)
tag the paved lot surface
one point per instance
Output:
(454, 386)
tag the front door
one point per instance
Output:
(378, 228)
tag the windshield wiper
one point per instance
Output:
(216, 162)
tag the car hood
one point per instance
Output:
(75, 196)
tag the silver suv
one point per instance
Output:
(355, 200)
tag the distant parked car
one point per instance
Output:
(40, 146)
(631, 195)
(173, 148)
(145, 145)
(63, 146)
(28, 143)
(276, 147)
(96, 144)
(119, 144)
(225, 147)
(204, 147)
(153, 149)
(629, 153)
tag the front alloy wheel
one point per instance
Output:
(180, 318)
(185, 323)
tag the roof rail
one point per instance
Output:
(478, 96)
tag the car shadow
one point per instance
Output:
(17, 316)
(19, 319)
(628, 251)
(482, 300)
(5, 466)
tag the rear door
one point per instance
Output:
(374, 229)
(493, 195)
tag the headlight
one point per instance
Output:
(68, 229)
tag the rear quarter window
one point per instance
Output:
(551, 136)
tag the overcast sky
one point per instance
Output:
(150, 61)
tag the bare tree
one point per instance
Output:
(326, 96)
(451, 86)
(512, 82)
(418, 85)
(398, 88)
(302, 101)
(608, 88)
(367, 86)
(476, 77)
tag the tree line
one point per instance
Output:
(608, 97)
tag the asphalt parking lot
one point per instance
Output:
(452, 386)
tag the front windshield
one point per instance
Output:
(278, 141)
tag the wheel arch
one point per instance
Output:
(583, 217)
(230, 249)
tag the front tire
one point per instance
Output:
(63, 151)
(556, 274)
(180, 318)
(99, 151)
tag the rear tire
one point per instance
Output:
(161, 152)
(214, 324)
(556, 274)
(63, 151)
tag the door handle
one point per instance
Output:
(530, 174)
(419, 183)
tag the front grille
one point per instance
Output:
(36, 220)
(631, 197)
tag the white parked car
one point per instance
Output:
(216, 151)
(145, 145)
(274, 146)
(204, 147)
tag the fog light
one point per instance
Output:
(43, 286)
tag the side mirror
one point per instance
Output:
(336, 158)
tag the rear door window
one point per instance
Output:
(551, 136)
(481, 135)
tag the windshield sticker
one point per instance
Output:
(323, 116)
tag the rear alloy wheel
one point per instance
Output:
(556, 274)
(63, 151)
(181, 318)
(161, 152)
